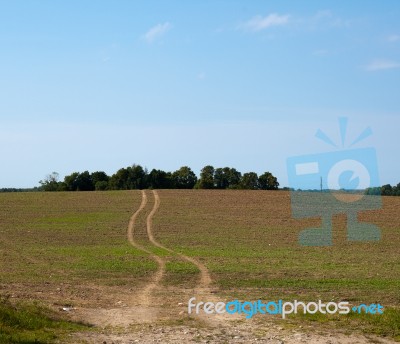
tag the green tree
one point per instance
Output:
(84, 182)
(50, 183)
(100, 180)
(99, 176)
(206, 180)
(71, 182)
(136, 177)
(184, 178)
(119, 180)
(268, 182)
(101, 185)
(249, 181)
(373, 191)
(386, 190)
(227, 177)
(396, 190)
(220, 178)
(158, 179)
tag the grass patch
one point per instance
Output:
(382, 325)
(179, 272)
(32, 323)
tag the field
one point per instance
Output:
(121, 266)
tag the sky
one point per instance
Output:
(100, 85)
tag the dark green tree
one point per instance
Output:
(84, 182)
(99, 176)
(119, 180)
(227, 177)
(136, 177)
(268, 182)
(184, 178)
(158, 179)
(101, 185)
(234, 178)
(70, 182)
(206, 180)
(220, 178)
(396, 190)
(249, 181)
(100, 180)
(386, 190)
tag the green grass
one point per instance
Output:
(32, 323)
(382, 325)
(247, 239)
(72, 237)
(249, 242)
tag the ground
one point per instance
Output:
(128, 262)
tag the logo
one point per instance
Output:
(283, 308)
(330, 183)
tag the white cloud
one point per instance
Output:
(201, 76)
(156, 32)
(393, 38)
(381, 65)
(259, 23)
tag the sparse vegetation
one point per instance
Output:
(31, 323)
(75, 251)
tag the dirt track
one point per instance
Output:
(205, 278)
(144, 296)
(141, 306)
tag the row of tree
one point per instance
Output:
(385, 190)
(136, 177)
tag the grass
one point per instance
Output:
(384, 325)
(249, 242)
(77, 242)
(32, 323)
(72, 237)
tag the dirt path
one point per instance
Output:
(140, 306)
(205, 278)
(144, 297)
(202, 292)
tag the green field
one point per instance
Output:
(71, 249)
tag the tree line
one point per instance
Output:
(385, 190)
(137, 177)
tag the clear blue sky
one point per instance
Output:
(99, 85)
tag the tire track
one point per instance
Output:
(145, 296)
(145, 299)
(203, 290)
(205, 278)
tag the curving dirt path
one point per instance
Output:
(145, 306)
(205, 278)
(137, 307)
(144, 297)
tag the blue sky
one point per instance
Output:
(101, 85)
